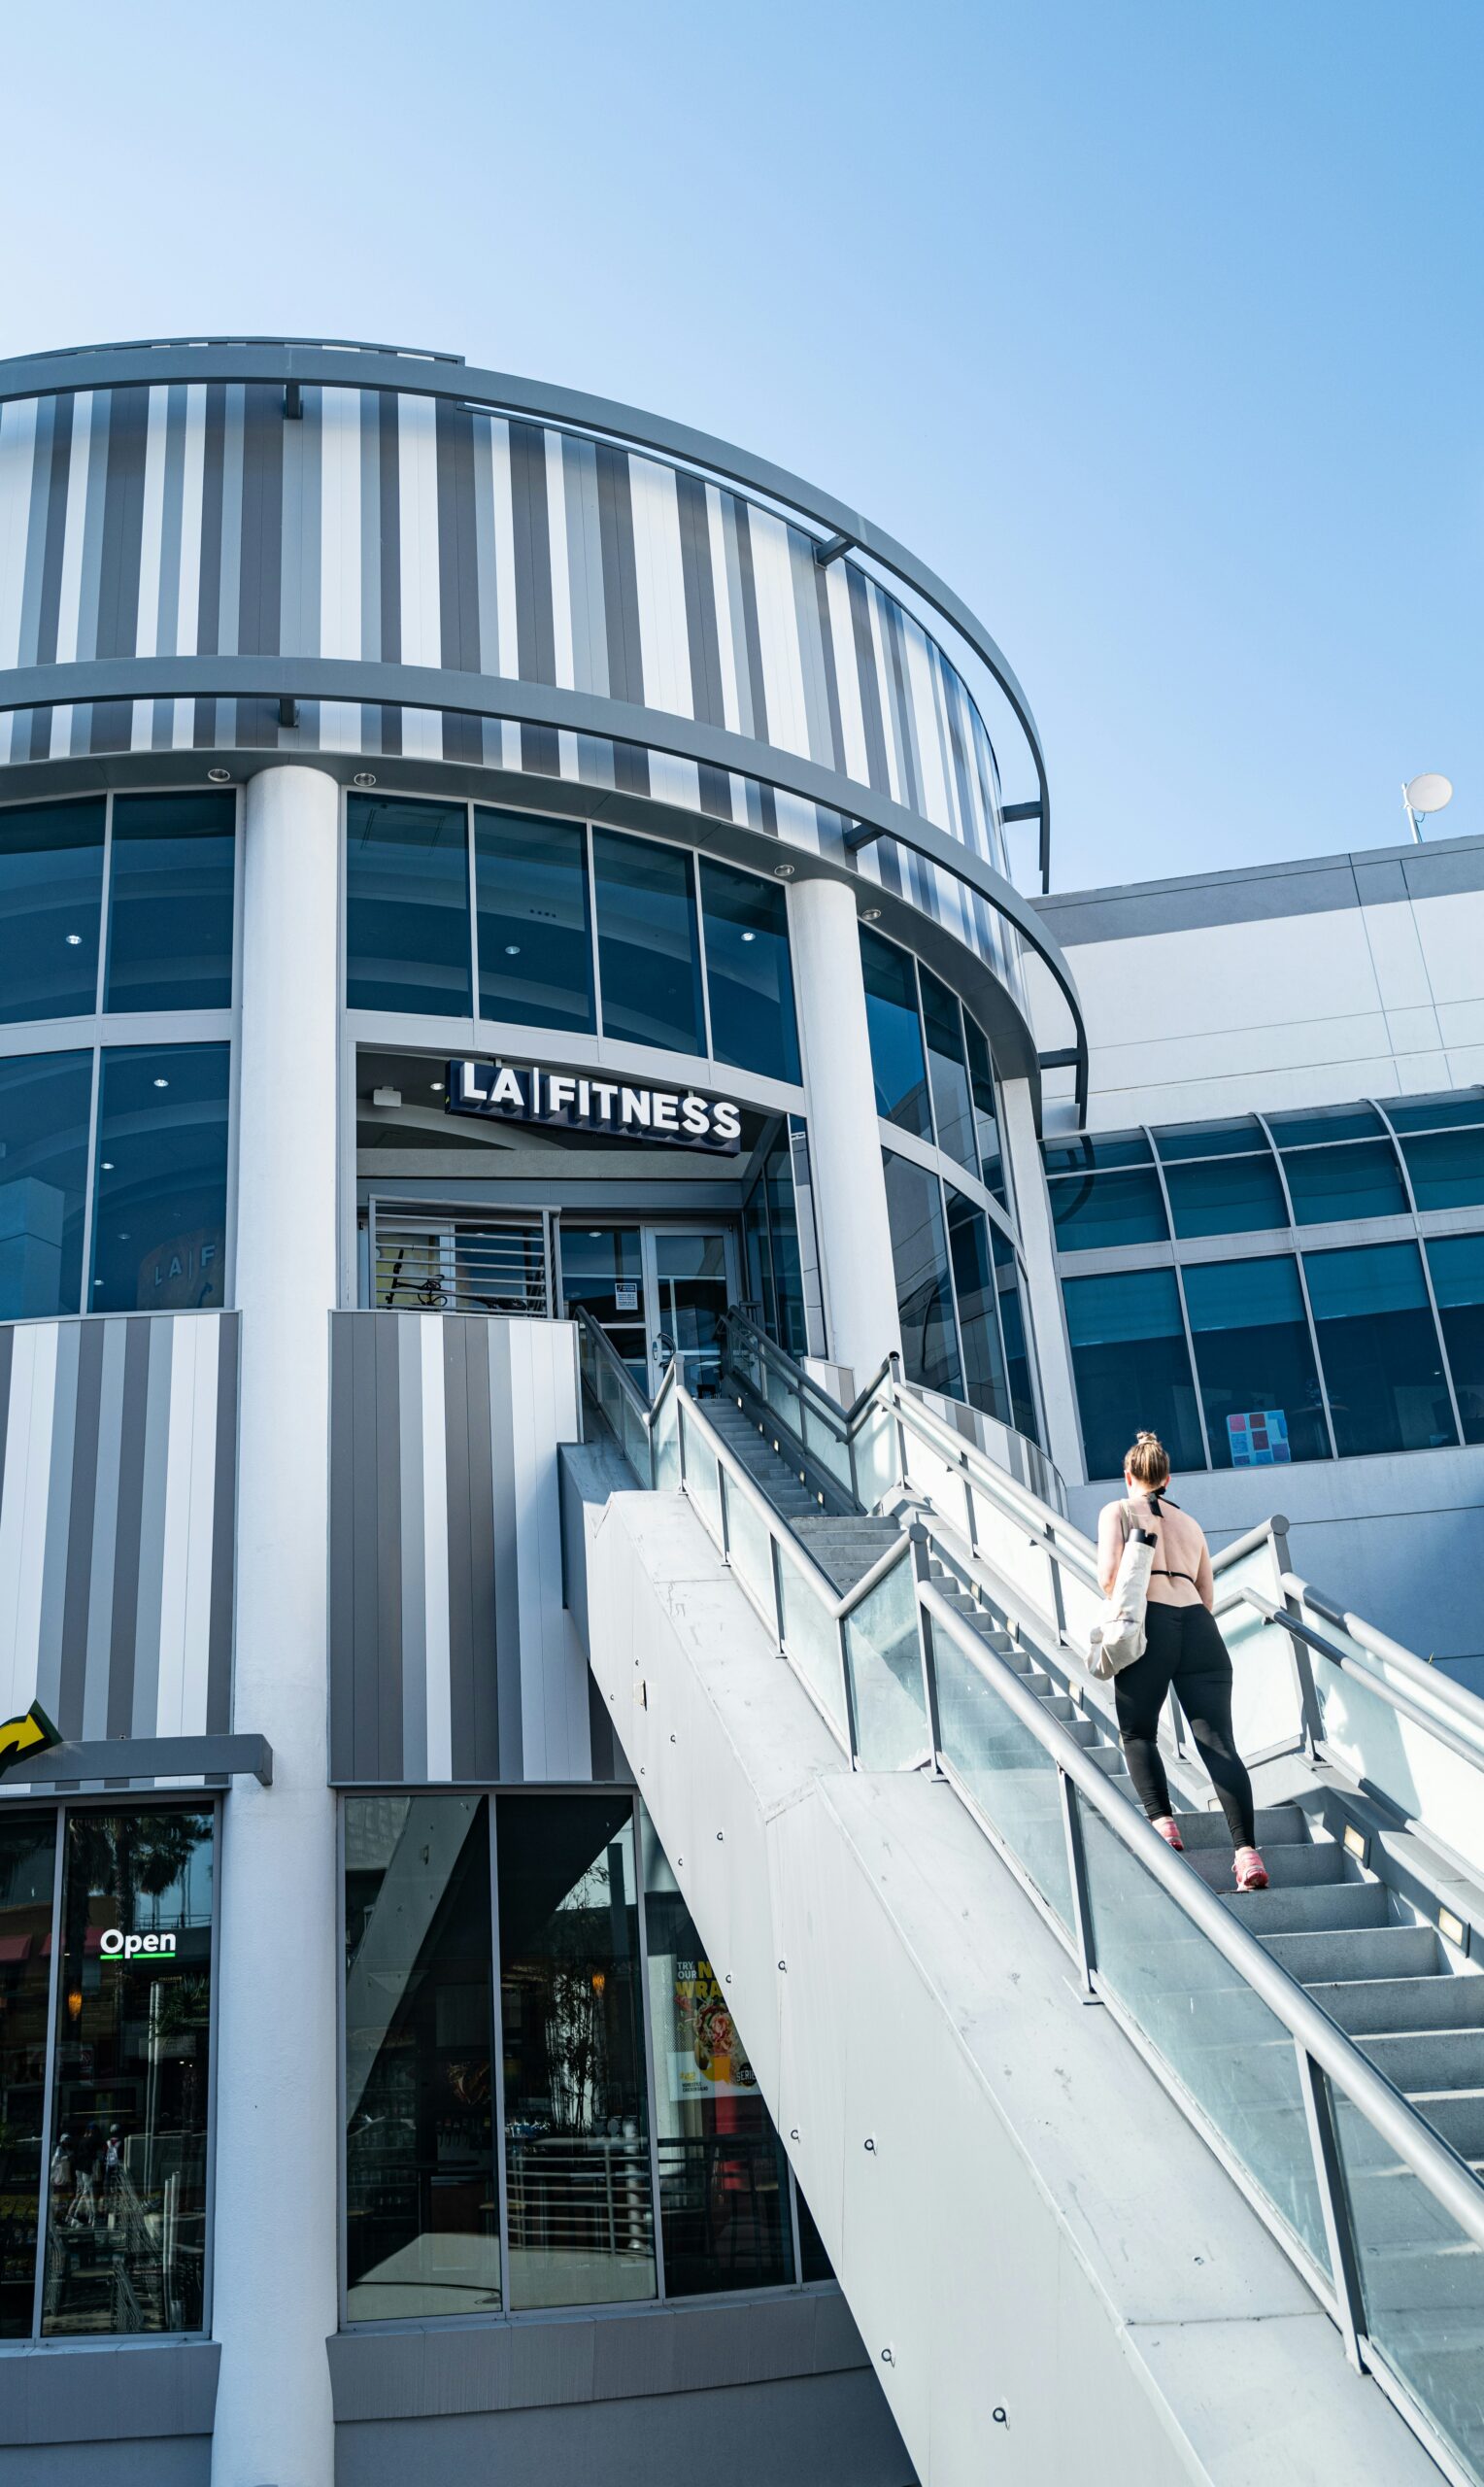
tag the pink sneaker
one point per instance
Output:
(1169, 1830)
(1250, 1871)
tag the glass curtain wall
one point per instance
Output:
(930, 1061)
(775, 1282)
(1456, 1266)
(960, 1299)
(50, 908)
(169, 866)
(536, 930)
(648, 955)
(534, 2058)
(27, 1877)
(1132, 1366)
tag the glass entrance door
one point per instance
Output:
(690, 1279)
(602, 1270)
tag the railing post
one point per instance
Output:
(1310, 1717)
(1076, 1867)
(775, 1568)
(1333, 2204)
(848, 1691)
(922, 1570)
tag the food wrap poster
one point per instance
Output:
(706, 2061)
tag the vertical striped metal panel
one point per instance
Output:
(193, 519)
(117, 1508)
(451, 1657)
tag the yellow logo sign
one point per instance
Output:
(32, 1732)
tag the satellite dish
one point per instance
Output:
(1430, 791)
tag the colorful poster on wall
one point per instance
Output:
(1258, 1439)
(706, 2061)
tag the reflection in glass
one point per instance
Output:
(1226, 1196)
(1383, 1366)
(1361, 1180)
(724, 2180)
(1131, 1368)
(923, 1295)
(814, 2263)
(1457, 1265)
(748, 973)
(576, 2138)
(1092, 1150)
(992, 1163)
(1447, 1167)
(1236, 1135)
(159, 1218)
(1004, 1769)
(898, 1061)
(423, 2230)
(51, 896)
(948, 1071)
(45, 1102)
(602, 1270)
(170, 880)
(27, 1862)
(692, 1294)
(1438, 1113)
(984, 1360)
(648, 955)
(770, 1242)
(1256, 1361)
(407, 907)
(1091, 1211)
(535, 943)
(1314, 1126)
(126, 2185)
(1017, 1331)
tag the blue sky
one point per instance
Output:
(1155, 328)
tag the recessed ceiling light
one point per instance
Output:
(870, 914)
(749, 937)
(162, 1083)
(74, 940)
(783, 871)
(108, 1165)
(125, 1239)
(512, 949)
(363, 777)
(437, 1087)
(220, 776)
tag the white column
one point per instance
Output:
(1032, 1206)
(275, 2261)
(849, 1195)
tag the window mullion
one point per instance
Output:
(48, 2079)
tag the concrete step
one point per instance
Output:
(1457, 2113)
(1288, 1864)
(1275, 1825)
(1425, 2278)
(1368, 2006)
(1393, 2210)
(1429, 2058)
(1299, 1909)
(1363, 1951)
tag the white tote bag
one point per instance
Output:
(1117, 1638)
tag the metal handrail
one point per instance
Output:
(1443, 1689)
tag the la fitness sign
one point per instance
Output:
(530, 1094)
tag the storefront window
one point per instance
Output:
(159, 1212)
(723, 2179)
(648, 955)
(582, 2229)
(125, 2236)
(407, 907)
(749, 976)
(924, 1290)
(50, 899)
(170, 908)
(1132, 1366)
(1457, 1265)
(27, 1875)
(1259, 1381)
(1382, 1364)
(948, 1071)
(897, 1060)
(422, 2226)
(45, 1100)
(535, 942)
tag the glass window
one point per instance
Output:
(983, 1361)
(1447, 1167)
(723, 2179)
(407, 907)
(576, 2118)
(50, 899)
(535, 941)
(1096, 1149)
(1226, 1195)
(813, 2261)
(603, 1269)
(1312, 1126)
(1360, 1181)
(647, 951)
(1437, 1113)
(749, 978)
(126, 2185)
(1018, 1356)
(924, 1296)
(948, 1071)
(45, 1100)
(1255, 1359)
(170, 880)
(898, 1061)
(992, 1164)
(1237, 1136)
(1092, 1212)
(27, 1873)
(1132, 1366)
(1457, 1264)
(423, 2228)
(1383, 1367)
(159, 1191)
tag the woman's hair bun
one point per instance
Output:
(1148, 1461)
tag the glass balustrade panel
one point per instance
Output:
(1264, 1692)
(751, 1548)
(824, 1439)
(878, 1462)
(1004, 1768)
(884, 1655)
(702, 1481)
(811, 1638)
(666, 1445)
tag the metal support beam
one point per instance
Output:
(294, 403)
(1022, 811)
(153, 1757)
(832, 548)
(289, 709)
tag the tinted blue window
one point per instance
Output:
(170, 903)
(1438, 1113)
(1092, 1211)
(1096, 1148)
(948, 1071)
(1017, 1333)
(898, 1062)
(1234, 1137)
(1226, 1196)
(51, 894)
(535, 942)
(1457, 1264)
(46, 1100)
(1383, 1366)
(981, 1074)
(1447, 1167)
(648, 955)
(1132, 1366)
(1361, 1180)
(749, 978)
(407, 907)
(160, 1194)
(1255, 1360)
(1314, 1126)
(984, 1362)
(923, 1295)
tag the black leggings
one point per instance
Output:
(1184, 1648)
